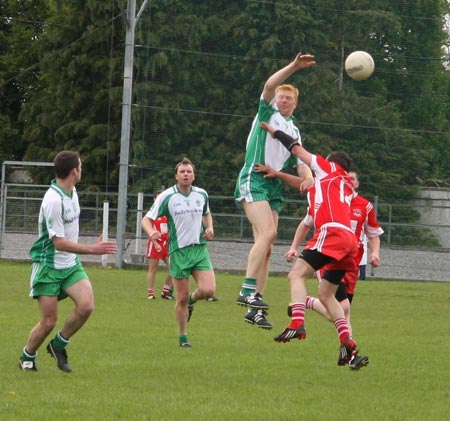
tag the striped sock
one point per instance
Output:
(26, 356)
(310, 302)
(248, 286)
(298, 315)
(342, 329)
(59, 341)
(150, 292)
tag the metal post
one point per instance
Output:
(126, 129)
(130, 22)
(105, 231)
(139, 213)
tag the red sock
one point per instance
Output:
(310, 302)
(150, 292)
(298, 315)
(342, 329)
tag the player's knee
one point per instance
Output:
(208, 292)
(48, 323)
(85, 308)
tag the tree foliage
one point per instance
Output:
(199, 71)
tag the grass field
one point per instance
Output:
(127, 364)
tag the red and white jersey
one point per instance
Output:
(160, 224)
(363, 219)
(329, 199)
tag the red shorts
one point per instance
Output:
(338, 243)
(152, 253)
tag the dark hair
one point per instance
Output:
(342, 159)
(65, 162)
(184, 161)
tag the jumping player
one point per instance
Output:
(333, 243)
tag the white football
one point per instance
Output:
(359, 65)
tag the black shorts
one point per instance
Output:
(315, 259)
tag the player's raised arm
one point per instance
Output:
(301, 61)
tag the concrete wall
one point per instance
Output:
(433, 204)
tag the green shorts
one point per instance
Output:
(188, 259)
(253, 187)
(53, 282)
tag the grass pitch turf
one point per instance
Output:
(127, 364)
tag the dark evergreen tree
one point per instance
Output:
(77, 101)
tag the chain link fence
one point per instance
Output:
(20, 209)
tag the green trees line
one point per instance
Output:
(199, 70)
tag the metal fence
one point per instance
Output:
(20, 209)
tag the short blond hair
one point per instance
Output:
(288, 87)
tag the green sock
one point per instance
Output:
(183, 339)
(248, 286)
(191, 301)
(59, 342)
(26, 356)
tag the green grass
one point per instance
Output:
(127, 364)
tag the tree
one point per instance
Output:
(76, 103)
(21, 26)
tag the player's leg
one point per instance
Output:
(202, 272)
(48, 308)
(167, 292)
(301, 271)
(181, 286)
(183, 263)
(264, 227)
(81, 293)
(206, 285)
(151, 276)
(327, 291)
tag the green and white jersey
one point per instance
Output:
(184, 215)
(262, 148)
(58, 217)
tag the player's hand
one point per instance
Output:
(269, 171)
(303, 61)
(267, 127)
(208, 234)
(155, 235)
(104, 247)
(374, 260)
(290, 255)
(306, 184)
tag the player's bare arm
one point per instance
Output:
(299, 236)
(291, 180)
(208, 234)
(306, 175)
(149, 229)
(301, 61)
(99, 247)
(374, 256)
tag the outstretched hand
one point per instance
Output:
(104, 247)
(303, 61)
